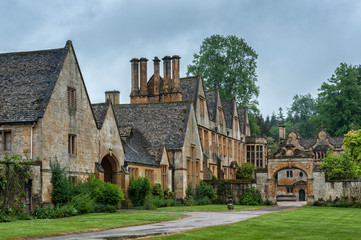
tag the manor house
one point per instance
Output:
(173, 131)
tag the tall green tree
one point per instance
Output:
(340, 100)
(230, 62)
(302, 109)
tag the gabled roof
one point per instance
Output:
(100, 111)
(307, 142)
(27, 80)
(189, 88)
(228, 108)
(161, 124)
(135, 151)
(337, 141)
(242, 119)
(211, 99)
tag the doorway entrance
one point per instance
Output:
(301, 195)
(110, 167)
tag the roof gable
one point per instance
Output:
(27, 80)
(161, 124)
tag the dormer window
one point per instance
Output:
(71, 98)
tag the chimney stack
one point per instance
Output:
(156, 75)
(167, 73)
(143, 76)
(282, 132)
(112, 96)
(175, 73)
(135, 76)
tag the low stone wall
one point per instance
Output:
(236, 187)
(337, 188)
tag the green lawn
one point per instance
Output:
(209, 208)
(305, 223)
(92, 221)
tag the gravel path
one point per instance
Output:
(196, 220)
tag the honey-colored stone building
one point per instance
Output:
(45, 109)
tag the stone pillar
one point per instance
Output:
(310, 197)
(156, 75)
(143, 76)
(175, 73)
(167, 74)
(135, 76)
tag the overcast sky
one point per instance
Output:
(299, 43)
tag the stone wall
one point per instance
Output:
(237, 187)
(325, 189)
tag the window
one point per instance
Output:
(214, 143)
(5, 140)
(150, 175)
(224, 146)
(72, 144)
(71, 97)
(220, 116)
(164, 177)
(301, 174)
(200, 130)
(289, 173)
(236, 123)
(230, 152)
(133, 173)
(73, 180)
(201, 106)
(206, 141)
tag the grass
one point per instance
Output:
(304, 223)
(86, 222)
(209, 208)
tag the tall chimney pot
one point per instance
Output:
(156, 75)
(135, 76)
(167, 73)
(143, 76)
(175, 73)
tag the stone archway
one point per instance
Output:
(111, 169)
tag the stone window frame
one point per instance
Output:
(133, 172)
(201, 106)
(164, 172)
(72, 144)
(149, 173)
(71, 96)
(6, 138)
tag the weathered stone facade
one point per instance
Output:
(49, 114)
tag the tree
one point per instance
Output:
(352, 142)
(340, 100)
(231, 63)
(341, 166)
(302, 109)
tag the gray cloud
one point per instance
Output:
(300, 43)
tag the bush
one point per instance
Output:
(104, 192)
(245, 171)
(138, 190)
(251, 197)
(204, 201)
(61, 193)
(157, 190)
(189, 191)
(84, 203)
(204, 190)
(168, 194)
(55, 212)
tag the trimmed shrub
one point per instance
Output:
(84, 203)
(157, 190)
(61, 193)
(138, 190)
(104, 192)
(251, 197)
(168, 194)
(204, 190)
(245, 171)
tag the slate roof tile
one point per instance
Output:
(100, 112)
(228, 107)
(189, 88)
(27, 80)
(211, 99)
(161, 124)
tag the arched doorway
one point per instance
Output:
(301, 195)
(288, 183)
(109, 164)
